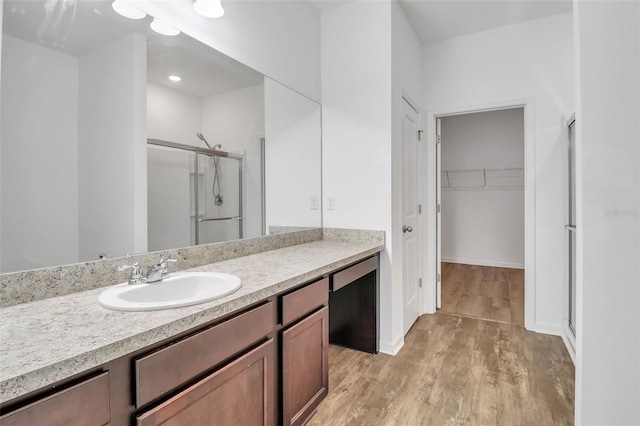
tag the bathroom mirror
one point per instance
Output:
(99, 149)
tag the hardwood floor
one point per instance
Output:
(484, 292)
(453, 370)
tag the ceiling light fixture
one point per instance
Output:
(209, 8)
(175, 78)
(127, 9)
(162, 28)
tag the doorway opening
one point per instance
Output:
(480, 219)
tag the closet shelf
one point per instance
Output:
(482, 179)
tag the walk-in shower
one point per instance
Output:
(186, 184)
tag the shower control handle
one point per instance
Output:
(406, 229)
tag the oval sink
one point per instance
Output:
(177, 290)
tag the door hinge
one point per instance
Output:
(438, 208)
(420, 134)
(419, 282)
(438, 277)
(419, 208)
(438, 138)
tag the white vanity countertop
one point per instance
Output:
(49, 340)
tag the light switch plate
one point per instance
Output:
(315, 202)
(331, 202)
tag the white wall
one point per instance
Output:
(523, 61)
(173, 116)
(237, 121)
(280, 39)
(112, 153)
(356, 134)
(406, 80)
(608, 222)
(483, 227)
(292, 157)
(39, 162)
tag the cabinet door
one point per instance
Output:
(241, 393)
(305, 375)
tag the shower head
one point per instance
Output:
(201, 137)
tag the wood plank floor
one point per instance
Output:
(453, 370)
(484, 292)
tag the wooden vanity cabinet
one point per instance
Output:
(240, 393)
(264, 365)
(85, 403)
(305, 351)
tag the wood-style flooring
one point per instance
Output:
(484, 292)
(453, 370)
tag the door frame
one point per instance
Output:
(429, 228)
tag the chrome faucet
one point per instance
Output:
(155, 273)
(158, 271)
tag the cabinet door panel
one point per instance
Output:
(305, 376)
(240, 393)
(86, 403)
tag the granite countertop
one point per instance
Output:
(48, 340)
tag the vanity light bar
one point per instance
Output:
(129, 9)
(209, 8)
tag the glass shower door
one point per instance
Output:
(218, 199)
(571, 226)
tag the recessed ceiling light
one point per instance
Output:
(175, 78)
(162, 28)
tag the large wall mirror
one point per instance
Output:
(116, 140)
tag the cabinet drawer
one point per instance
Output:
(169, 367)
(86, 403)
(305, 367)
(297, 304)
(241, 393)
(349, 275)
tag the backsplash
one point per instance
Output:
(38, 284)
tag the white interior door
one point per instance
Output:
(438, 214)
(410, 212)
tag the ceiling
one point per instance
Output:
(441, 19)
(435, 20)
(78, 27)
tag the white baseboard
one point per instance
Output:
(552, 329)
(392, 349)
(495, 264)
(569, 343)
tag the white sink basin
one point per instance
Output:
(177, 290)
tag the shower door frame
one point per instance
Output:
(210, 153)
(197, 218)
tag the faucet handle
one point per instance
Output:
(137, 276)
(133, 266)
(168, 260)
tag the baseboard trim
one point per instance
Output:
(495, 264)
(552, 329)
(392, 349)
(569, 344)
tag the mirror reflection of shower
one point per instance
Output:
(215, 188)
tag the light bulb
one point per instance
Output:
(209, 8)
(127, 9)
(175, 78)
(162, 28)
